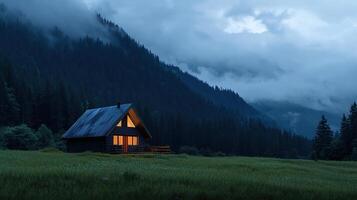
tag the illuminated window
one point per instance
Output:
(115, 140)
(130, 140)
(130, 123)
(119, 124)
(120, 140)
(135, 141)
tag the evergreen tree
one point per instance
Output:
(354, 150)
(322, 140)
(353, 121)
(13, 107)
(9, 108)
(345, 134)
(3, 103)
(337, 149)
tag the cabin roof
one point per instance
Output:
(99, 122)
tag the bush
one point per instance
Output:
(189, 150)
(314, 156)
(206, 152)
(58, 141)
(45, 137)
(354, 154)
(51, 150)
(218, 154)
(20, 137)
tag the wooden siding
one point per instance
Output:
(95, 144)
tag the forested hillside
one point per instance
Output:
(341, 145)
(50, 78)
(296, 118)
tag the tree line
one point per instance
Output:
(339, 146)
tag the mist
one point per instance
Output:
(301, 52)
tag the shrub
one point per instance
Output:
(189, 150)
(314, 156)
(206, 152)
(50, 150)
(219, 154)
(20, 137)
(45, 137)
(58, 141)
(354, 154)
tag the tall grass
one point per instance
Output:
(56, 175)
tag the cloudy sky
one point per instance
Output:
(299, 51)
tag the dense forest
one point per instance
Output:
(47, 79)
(341, 145)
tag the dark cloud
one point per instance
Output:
(297, 51)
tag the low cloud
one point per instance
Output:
(71, 16)
(246, 24)
(297, 51)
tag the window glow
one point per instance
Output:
(119, 124)
(130, 123)
(120, 140)
(130, 140)
(115, 140)
(135, 140)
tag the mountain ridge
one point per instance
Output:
(297, 118)
(102, 73)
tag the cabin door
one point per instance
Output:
(125, 144)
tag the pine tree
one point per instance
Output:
(323, 140)
(345, 134)
(353, 121)
(354, 150)
(3, 100)
(9, 108)
(337, 149)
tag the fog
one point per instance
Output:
(298, 51)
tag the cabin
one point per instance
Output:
(113, 129)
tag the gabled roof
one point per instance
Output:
(99, 122)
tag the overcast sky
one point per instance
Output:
(300, 51)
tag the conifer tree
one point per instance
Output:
(345, 134)
(353, 121)
(3, 100)
(322, 140)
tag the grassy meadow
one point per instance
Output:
(57, 175)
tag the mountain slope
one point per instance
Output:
(102, 73)
(299, 119)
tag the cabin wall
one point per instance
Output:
(97, 144)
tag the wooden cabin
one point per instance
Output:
(114, 129)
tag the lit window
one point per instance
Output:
(119, 124)
(115, 140)
(135, 141)
(120, 140)
(130, 123)
(130, 140)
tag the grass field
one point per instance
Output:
(56, 175)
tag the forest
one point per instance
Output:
(341, 145)
(48, 79)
